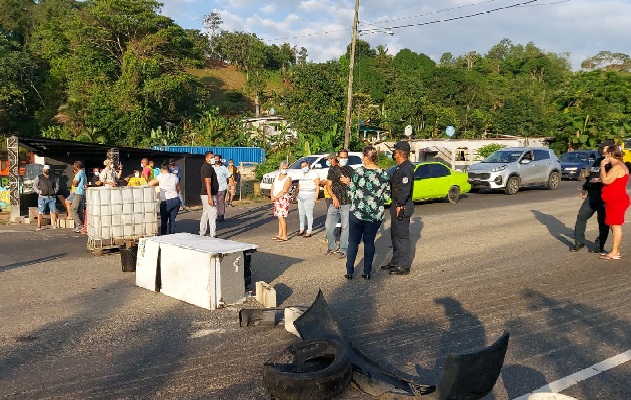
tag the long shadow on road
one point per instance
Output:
(557, 228)
(4, 268)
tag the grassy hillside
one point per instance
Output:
(227, 87)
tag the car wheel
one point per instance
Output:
(311, 369)
(553, 181)
(512, 185)
(453, 195)
(293, 197)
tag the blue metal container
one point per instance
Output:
(238, 154)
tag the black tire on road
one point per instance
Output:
(554, 180)
(309, 370)
(453, 195)
(512, 185)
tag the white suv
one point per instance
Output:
(511, 168)
(317, 163)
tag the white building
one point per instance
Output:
(271, 129)
(459, 153)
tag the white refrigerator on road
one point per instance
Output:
(206, 272)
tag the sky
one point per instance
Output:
(580, 28)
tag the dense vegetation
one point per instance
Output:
(115, 71)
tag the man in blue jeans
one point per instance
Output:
(78, 201)
(338, 181)
(46, 186)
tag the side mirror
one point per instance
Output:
(317, 166)
(525, 161)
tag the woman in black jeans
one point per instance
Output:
(370, 187)
(169, 186)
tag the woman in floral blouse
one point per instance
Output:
(370, 187)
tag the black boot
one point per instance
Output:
(577, 246)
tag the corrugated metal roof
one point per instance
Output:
(238, 154)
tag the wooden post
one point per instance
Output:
(349, 99)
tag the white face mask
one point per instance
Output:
(283, 170)
(137, 175)
(305, 169)
(343, 162)
(212, 161)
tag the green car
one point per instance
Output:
(434, 180)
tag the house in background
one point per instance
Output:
(268, 130)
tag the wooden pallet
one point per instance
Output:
(101, 246)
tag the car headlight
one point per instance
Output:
(571, 169)
(500, 168)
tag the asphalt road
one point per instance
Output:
(72, 325)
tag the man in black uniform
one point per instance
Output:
(593, 203)
(401, 210)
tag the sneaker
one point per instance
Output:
(38, 229)
(337, 250)
(342, 255)
(78, 230)
(329, 252)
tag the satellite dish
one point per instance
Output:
(272, 111)
(450, 131)
(408, 131)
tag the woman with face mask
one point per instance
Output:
(169, 186)
(308, 192)
(370, 187)
(279, 195)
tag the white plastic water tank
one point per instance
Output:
(121, 213)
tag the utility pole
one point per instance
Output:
(351, 68)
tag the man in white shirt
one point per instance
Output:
(222, 178)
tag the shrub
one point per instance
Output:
(486, 150)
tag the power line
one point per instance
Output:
(308, 35)
(379, 28)
(430, 13)
(547, 4)
(457, 18)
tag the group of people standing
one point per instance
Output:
(604, 193)
(46, 185)
(219, 187)
(355, 197)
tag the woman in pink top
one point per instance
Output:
(615, 196)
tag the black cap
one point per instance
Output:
(402, 145)
(171, 161)
(607, 142)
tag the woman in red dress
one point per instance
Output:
(615, 196)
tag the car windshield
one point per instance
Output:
(573, 156)
(503, 156)
(310, 160)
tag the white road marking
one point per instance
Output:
(564, 383)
